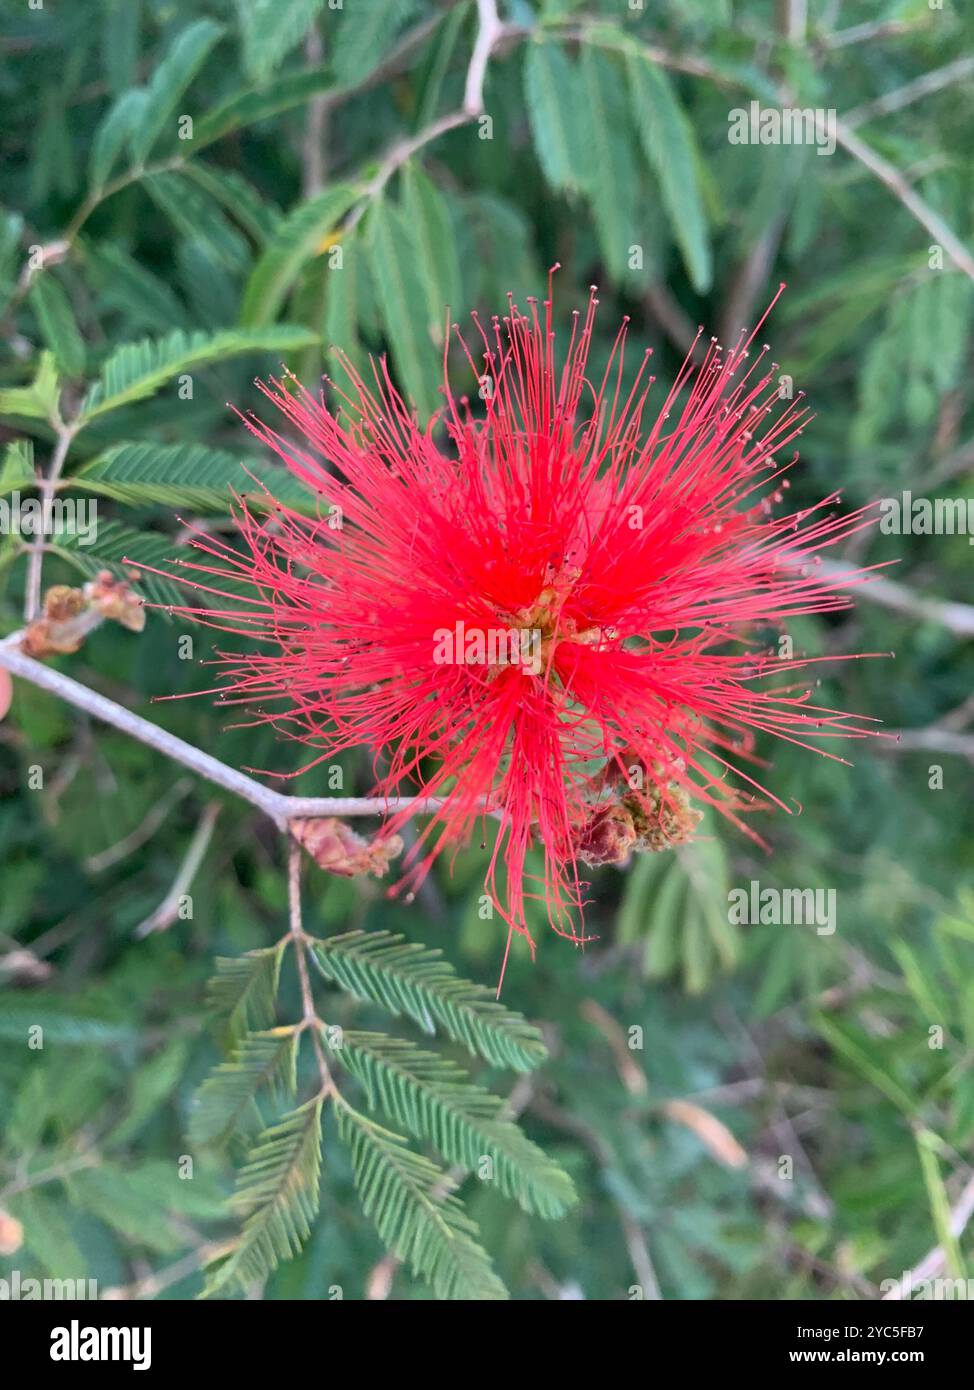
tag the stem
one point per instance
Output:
(168, 910)
(889, 175)
(47, 487)
(957, 618)
(296, 934)
(281, 808)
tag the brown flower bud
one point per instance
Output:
(338, 849)
(113, 598)
(62, 603)
(63, 625)
(70, 614)
(608, 837)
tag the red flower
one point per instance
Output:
(563, 616)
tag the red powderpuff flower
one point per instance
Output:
(557, 618)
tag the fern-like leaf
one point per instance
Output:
(434, 1099)
(115, 546)
(411, 1203)
(554, 114)
(301, 236)
(277, 1193)
(137, 370)
(411, 979)
(226, 1102)
(186, 55)
(187, 475)
(244, 990)
(669, 142)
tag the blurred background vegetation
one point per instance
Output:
(212, 246)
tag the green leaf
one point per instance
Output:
(943, 1219)
(551, 94)
(117, 547)
(189, 475)
(183, 61)
(277, 1193)
(17, 469)
(429, 219)
(271, 28)
(154, 1082)
(411, 1203)
(247, 108)
(407, 978)
(127, 1201)
(402, 302)
(434, 70)
(47, 1234)
(239, 198)
(306, 232)
(62, 1021)
(862, 1054)
(668, 140)
(126, 286)
(226, 1102)
(11, 230)
(611, 174)
(57, 323)
(342, 289)
(364, 31)
(198, 216)
(121, 25)
(675, 902)
(116, 129)
(137, 370)
(39, 400)
(244, 990)
(435, 1100)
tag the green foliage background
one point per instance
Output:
(210, 256)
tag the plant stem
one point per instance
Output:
(296, 934)
(281, 808)
(47, 486)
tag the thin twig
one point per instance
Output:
(168, 910)
(933, 739)
(56, 1173)
(160, 1279)
(47, 486)
(296, 935)
(889, 175)
(490, 30)
(870, 31)
(910, 92)
(958, 618)
(314, 161)
(673, 319)
(281, 808)
(144, 831)
(935, 1260)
